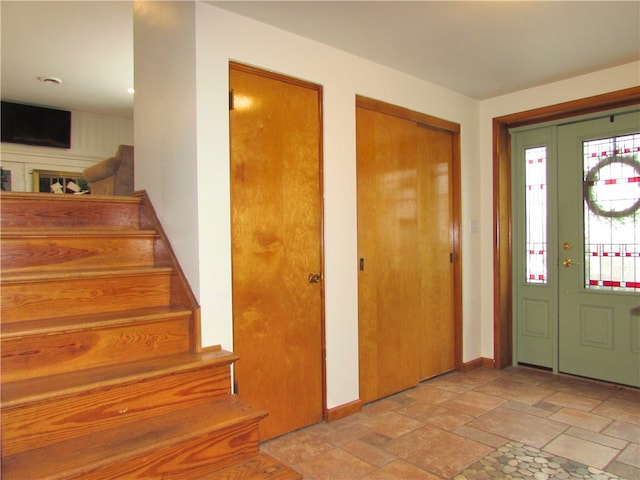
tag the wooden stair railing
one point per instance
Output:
(103, 376)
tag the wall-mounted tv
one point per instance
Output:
(32, 125)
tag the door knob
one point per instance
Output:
(567, 262)
(315, 278)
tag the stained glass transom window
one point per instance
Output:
(536, 214)
(612, 213)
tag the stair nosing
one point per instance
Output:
(39, 196)
(78, 323)
(55, 275)
(108, 376)
(38, 232)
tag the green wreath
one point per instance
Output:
(592, 177)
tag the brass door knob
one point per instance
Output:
(567, 262)
(315, 278)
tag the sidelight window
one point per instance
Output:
(536, 214)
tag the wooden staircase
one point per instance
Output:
(103, 376)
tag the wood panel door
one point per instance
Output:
(276, 193)
(406, 244)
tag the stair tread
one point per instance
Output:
(23, 392)
(118, 444)
(68, 274)
(82, 322)
(259, 467)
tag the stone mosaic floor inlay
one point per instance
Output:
(515, 460)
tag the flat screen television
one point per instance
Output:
(32, 125)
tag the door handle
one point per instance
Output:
(315, 278)
(567, 262)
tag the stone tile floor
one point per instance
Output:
(485, 424)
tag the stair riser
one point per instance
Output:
(41, 355)
(187, 460)
(31, 300)
(80, 253)
(47, 422)
(59, 212)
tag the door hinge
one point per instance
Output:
(235, 387)
(451, 258)
(231, 99)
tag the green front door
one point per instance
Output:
(599, 234)
(577, 247)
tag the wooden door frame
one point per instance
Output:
(454, 129)
(502, 208)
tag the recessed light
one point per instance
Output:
(50, 80)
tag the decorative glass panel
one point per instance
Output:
(611, 213)
(536, 214)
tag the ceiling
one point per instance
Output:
(478, 48)
(89, 45)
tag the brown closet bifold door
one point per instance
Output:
(407, 248)
(276, 193)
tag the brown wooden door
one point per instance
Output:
(276, 245)
(389, 280)
(436, 247)
(405, 242)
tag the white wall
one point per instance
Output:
(93, 138)
(165, 122)
(222, 36)
(576, 88)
